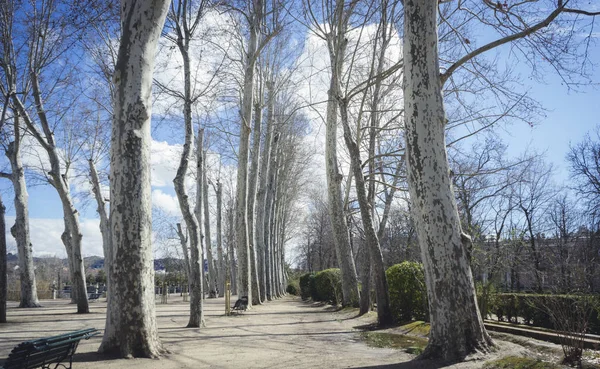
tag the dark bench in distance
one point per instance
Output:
(93, 296)
(241, 303)
(55, 350)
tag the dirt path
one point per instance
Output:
(286, 333)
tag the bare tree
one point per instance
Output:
(133, 331)
(196, 276)
(185, 17)
(584, 161)
(333, 30)
(3, 275)
(532, 195)
(49, 39)
(456, 325)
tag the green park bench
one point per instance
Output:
(43, 352)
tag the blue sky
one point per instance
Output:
(570, 114)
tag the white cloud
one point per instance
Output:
(45, 236)
(164, 163)
(165, 202)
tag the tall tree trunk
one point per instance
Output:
(365, 293)
(133, 330)
(107, 245)
(252, 186)
(183, 241)
(20, 230)
(220, 253)
(231, 250)
(241, 200)
(268, 218)
(71, 236)
(197, 274)
(212, 273)
(192, 222)
(261, 196)
(341, 239)
(456, 325)
(3, 266)
(102, 214)
(384, 314)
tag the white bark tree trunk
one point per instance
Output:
(197, 275)
(261, 195)
(268, 218)
(212, 273)
(133, 332)
(456, 325)
(3, 266)
(20, 230)
(252, 187)
(183, 241)
(339, 226)
(71, 237)
(220, 253)
(231, 266)
(241, 200)
(107, 245)
(384, 314)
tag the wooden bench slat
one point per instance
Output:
(49, 350)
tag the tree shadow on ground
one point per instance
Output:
(413, 364)
(93, 356)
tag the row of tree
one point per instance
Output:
(381, 84)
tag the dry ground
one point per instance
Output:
(285, 333)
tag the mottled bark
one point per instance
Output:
(197, 275)
(337, 45)
(183, 241)
(193, 233)
(384, 314)
(20, 230)
(212, 272)
(261, 195)
(252, 187)
(220, 253)
(268, 218)
(231, 266)
(456, 325)
(365, 292)
(107, 246)
(3, 266)
(241, 199)
(133, 332)
(71, 236)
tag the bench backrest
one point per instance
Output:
(30, 357)
(36, 353)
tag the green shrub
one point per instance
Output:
(305, 282)
(408, 295)
(533, 309)
(293, 287)
(328, 286)
(485, 296)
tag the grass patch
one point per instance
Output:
(417, 328)
(410, 344)
(515, 362)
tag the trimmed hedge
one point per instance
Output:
(293, 287)
(325, 286)
(408, 295)
(533, 309)
(328, 286)
(305, 285)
